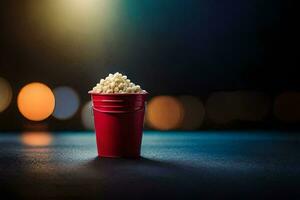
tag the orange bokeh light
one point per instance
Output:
(36, 138)
(36, 101)
(164, 113)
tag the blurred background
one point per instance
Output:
(206, 64)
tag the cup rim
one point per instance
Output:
(117, 94)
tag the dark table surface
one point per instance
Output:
(173, 165)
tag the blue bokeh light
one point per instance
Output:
(66, 102)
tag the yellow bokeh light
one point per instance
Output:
(69, 17)
(164, 113)
(36, 139)
(36, 101)
(5, 94)
(74, 28)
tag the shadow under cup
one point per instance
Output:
(119, 120)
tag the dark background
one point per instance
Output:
(191, 47)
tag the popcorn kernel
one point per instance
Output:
(116, 83)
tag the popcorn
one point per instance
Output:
(118, 84)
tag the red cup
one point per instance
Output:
(119, 120)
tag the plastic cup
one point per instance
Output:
(119, 120)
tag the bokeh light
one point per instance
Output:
(194, 112)
(70, 26)
(5, 94)
(36, 101)
(252, 106)
(36, 139)
(225, 107)
(87, 116)
(286, 107)
(66, 102)
(164, 113)
(221, 108)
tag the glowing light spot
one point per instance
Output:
(36, 101)
(5, 94)
(225, 107)
(286, 107)
(221, 108)
(87, 116)
(251, 106)
(164, 113)
(72, 17)
(66, 102)
(74, 28)
(36, 139)
(193, 112)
